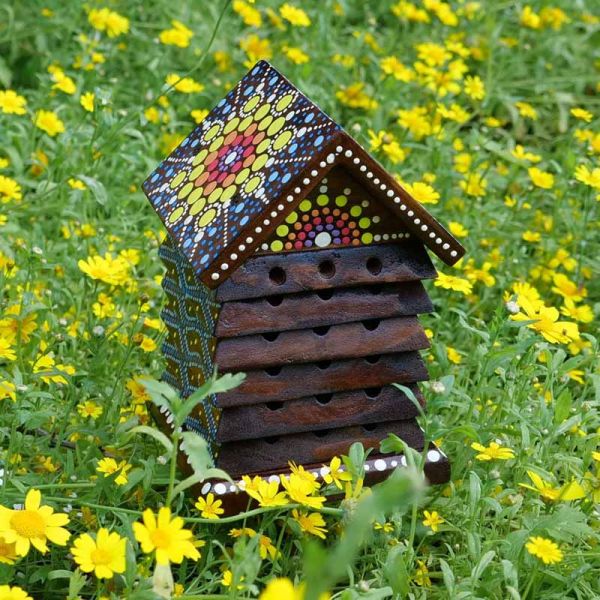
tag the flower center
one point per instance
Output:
(100, 556)
(160, 538)
(28, 524)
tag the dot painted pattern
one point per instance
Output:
(239, 159)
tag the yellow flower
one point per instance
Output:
(89, 409)
(526, 110)
(451, 282)
(474, 185)
(266, 547)
(354, 96)
(313, 523)
(50, 371)
(421, 576)
(581, 113)
(432, 519)
(457, 229)
(300, 489)
(209, 507)
(76, 184)
(109, 466)
(529, 18)
(492, 452)
(249, 14)
(295, 16)
(6, 349)
(114, 271)
(545, 321)
(422, 192)
(283, 589)
(587, 176)
(62, 81)
(256, 48)
(13, 593)
(9, 190)
(521, 154)
(7, 390)
(385, 527)
(266, 493)
(566, 288)
(335, 474)
(179, 35)
(474, 87)
(165, 537)
(544, 549)
(541, 179)
(103, 556)
(33, 525)
(8, 552)
(185, 85)
(12, 103)
(87, 101)
(48, 121)
(227, 580)
(296, 55)
(199, 115)
(569, 491)
(453, 355)
(147, 344)
(390, 65)
(583, 313)
(531, 236)
(104, 19)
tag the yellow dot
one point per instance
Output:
(305, 205)
(216, 143)
(242, 176)
(262, 111)
(276, 125)
(207, 217)
(364, 223)
(228, 193)
(177, 179)
(198, 206)
(341, 200)
(282, 230)
(263, 146)
(322, 200)
(195, 195)
(185, 190)
(284, 102)
(196, 172)
(282, 139)
(210, 134)
(251, 104)
(199, 157)
(174, 216)
(277, 246)
(260, 162)
(231, 125)
(366, 238)
(252, 184)
(291, 218)
(215, 195)
(355, 211)
(265, 123)
(245, 124)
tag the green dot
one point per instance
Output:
(367, 238)
(194, 195)
(305, 205)
(355, 211)
(177, 179)
(341, 200)
(282, 230)
(322, 200)
(276, 246)
(176, 214)
(292, 217)
(185, 190)
(364, 223)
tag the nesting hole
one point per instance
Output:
(275, 300)
(375, 290)
(271, 336)
(323, 364)
(273, 371)
(274, 405)
(321, 433)
(327, 269)
(373, 392)
(325, 294)
(323, 398)
(370, 426)
(321, 331)
(277, 275)
(272, 440)
(373, 360)
(371, 324)
(374, 265)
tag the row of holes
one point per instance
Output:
(324, 399)
(368, 324)
(325, 295)
(322, 365)
(326, 269)
(319, 434)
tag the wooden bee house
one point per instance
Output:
(293, 256)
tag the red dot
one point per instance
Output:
(317, 221)
(288, 246)
(308, 227)
(345, 240)
(345, 231)
(298, 245)
(329, 219)
(301, 235)
(339, 223)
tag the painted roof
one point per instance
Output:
(223, 175)
(255, 156)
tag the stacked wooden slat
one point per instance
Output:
(321, 335)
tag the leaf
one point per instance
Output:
(482, 565)
(395, 571)
(449, 580)
(161, 394)
(159, 436)
(96, 187)
(562, 408)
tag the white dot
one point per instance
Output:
(220, 488)
(367, 467)
(417, 221)
(290, 198)
(410, 213)
(347, 191)
(324, 470)
(224, 267)
(314, 173)
(348, 153)
(258, 229)
(279, 207)
(249, 240)
(323, 239)
(214, 276)
(273, 213)
(394, 463)
(397, 200)
(264, 247)
(431, 233)
(453, 253)
(403, 461)
(383, 187)
(376, 219)
(232, 488)
(377, 237)
(234, 256)
(423, 227)
(363, 168)
(330, 158)
(369, 175)
(446, 246)
(355, 160)
(364, 203)
(438, 240)
(390, 193)
(323, 189)
(433, 456)
(266, 222)
(376, 181)
(205, 488)
(339, 149)
(242, 247)
(403, 207)
(322, 164)
(380, 464)
(306, 181)
(296, 190)
(273, 478)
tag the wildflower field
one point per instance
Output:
(489, 114)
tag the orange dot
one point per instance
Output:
(326, 210)
(355, 242)
(291, 236)
(314, 213)
(288, 246)
(305, 218)
(345, 216)
(336, 212)
(352, 225)
(355, 233)
(297, 226)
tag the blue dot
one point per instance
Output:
(248, 90)
(204, 259)
(273, 80)
(309, 117)
(239, 207)
(292, 149)
(286, 178)
(319, 141)
(244, 220)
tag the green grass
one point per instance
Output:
(506, 382)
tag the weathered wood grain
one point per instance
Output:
(324, 411)
(249, 456)
(296, 381)
(324, 307)
(348, 340)
(291, 272)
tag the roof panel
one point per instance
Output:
(237, 161)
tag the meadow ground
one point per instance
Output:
(488, 112)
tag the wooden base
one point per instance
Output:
(377, 468)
